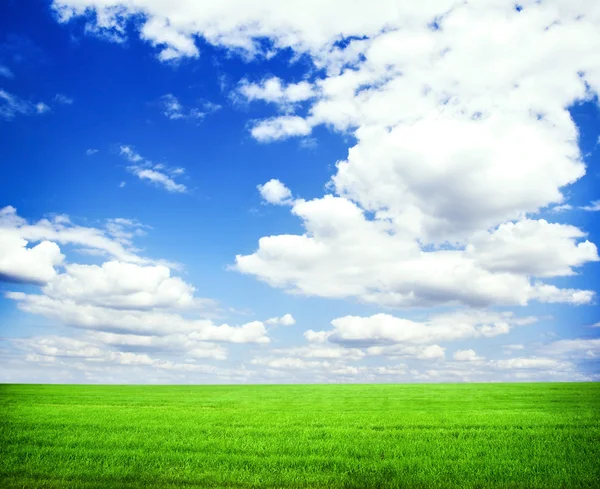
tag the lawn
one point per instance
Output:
(301, 436)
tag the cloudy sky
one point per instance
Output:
(264, 191)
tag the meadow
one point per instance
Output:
(301, 436)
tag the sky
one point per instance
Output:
(284, 192)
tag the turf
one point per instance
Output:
(308, 436)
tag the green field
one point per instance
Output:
(313, 436)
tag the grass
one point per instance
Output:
(299, 436)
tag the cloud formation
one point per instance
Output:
(155, 173)
(174, 110)
(461, 136)
(460, 116)
(344, 254)
(275, 192)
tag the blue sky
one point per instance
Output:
(248, 193)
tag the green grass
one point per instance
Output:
(320, 436)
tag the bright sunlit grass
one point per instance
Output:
(301, 436)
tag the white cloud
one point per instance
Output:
(129, 153)
(381, 330)
(274, 91)
(594, 206)
(285, 320)
(157, 174)
(11, 106)
(173, 109)
(552, 294)
(41, 108)
(158, 178)
(29, 251)
(59, 229)
(290, 363)
(121, 285)
(561, 208)
(344, 254)
(541, 363)
(317, 336)
(179, 344)
(280, 128)
(535, 248)
(91, 151)
(275, 192)
(19, 263)
(467, 356)
(135, 321)
(239, 25)
(124, 230)
(576, 348)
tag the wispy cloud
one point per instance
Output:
(41, 108)
(12, 106)
(156, 173)
(594, 206)
(63, 99)
(6, 72)
(173, 109)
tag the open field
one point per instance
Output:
(323, 436)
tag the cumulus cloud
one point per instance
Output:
(240, 26)
(274, 91)
(384, 337)
(59, 229)
(30, 251)
(285, 320)
(121, 285)
(18, 263)
(467, 356)
(461, 131)
(275, 192)
(280, 127)
(344, 254)
(536, 248)
(385, 329)
(154, 173)
(317, 336)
